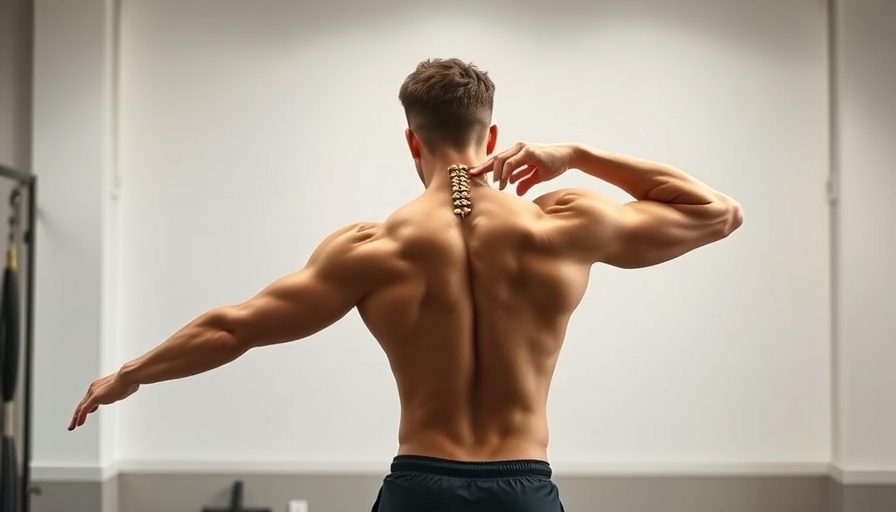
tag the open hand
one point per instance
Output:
(527, 165)
(105, 391)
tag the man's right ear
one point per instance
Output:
(492, 139)
(413, 143)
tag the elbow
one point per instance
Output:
(723, 217)
(222, 324)
(731, 214)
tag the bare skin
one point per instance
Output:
(472, 313)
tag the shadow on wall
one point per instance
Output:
(15, 86)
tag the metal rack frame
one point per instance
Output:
(30, 182)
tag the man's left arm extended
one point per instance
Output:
(291, 308)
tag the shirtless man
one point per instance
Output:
(467, 289)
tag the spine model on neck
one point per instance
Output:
(460, 190)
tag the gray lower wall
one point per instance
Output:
(155, 492)
(71, 496)
(868, 498)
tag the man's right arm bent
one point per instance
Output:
(673, 213)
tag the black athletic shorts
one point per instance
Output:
(427, 484)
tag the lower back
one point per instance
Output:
(494, 435)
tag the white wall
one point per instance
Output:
(250, 130)
(72, 156)
(866, 338)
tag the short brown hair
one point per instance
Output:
(448, 103)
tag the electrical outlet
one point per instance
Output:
(297, 506)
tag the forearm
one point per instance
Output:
(200, 346)
(643, 179)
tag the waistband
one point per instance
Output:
(465, 469)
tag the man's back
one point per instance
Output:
(472, 319)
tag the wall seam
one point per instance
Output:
(834, 227)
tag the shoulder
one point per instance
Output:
(577, 202)
(355, 233)
(578, 223)
(348, 242)
(357, 255)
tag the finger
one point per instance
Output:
(511, 164)
(74, 423)
(483, 168)
(498, 166)
(495, 163)
(78, 417)
(530, 181)
(522, 173)
(82, 418)
(87, 409)
(490, 164)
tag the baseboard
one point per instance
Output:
(62, 472)
(254, 467)
(73, 473)
(810, 469)
(862, 476)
